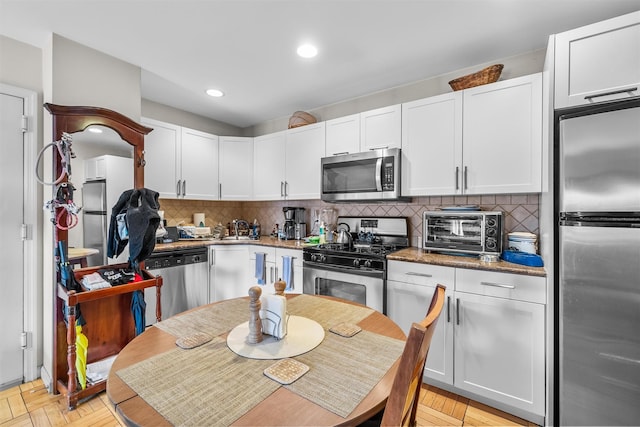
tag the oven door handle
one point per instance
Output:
(356, 272)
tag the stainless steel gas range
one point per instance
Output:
(356, 270)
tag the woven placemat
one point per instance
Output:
(341, 375)
(193, 341)
(208, 385)
(212, 319)
(325, 311)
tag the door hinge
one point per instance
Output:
(23, 340)
(25, 124)
(24, 232)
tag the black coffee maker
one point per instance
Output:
(294, 223)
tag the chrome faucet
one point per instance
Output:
(236, 222)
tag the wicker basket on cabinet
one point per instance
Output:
(482, 77)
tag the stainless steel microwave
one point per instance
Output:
(467, 232)
(371, 175)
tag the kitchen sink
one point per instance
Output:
(234, 238)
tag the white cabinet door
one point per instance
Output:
(296, 269)
(270, 274)
(199, 176)
(598, 62)
(502, 129)
(269, 166)
(381, 128)
(162, 156)
(410, 287)
(228, 272)
(432, 146)
(236, 168)
(343, 135)
(500, 351)
(304, 149)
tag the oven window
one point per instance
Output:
(344, 290)
(350, 177)
(455, 232)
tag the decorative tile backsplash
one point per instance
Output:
(521, 211)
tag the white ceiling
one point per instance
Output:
(247, 47)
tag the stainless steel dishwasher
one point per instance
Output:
(185, 281)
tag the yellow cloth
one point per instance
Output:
(82, 343)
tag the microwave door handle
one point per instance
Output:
(379, 174)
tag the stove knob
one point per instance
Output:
(367, 263)
(322, 258)
(314, 257)
(356, 263)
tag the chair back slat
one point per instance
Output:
(402, 403)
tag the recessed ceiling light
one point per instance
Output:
(307, 51)
(94, 129)
(215, 92)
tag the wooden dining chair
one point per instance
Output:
(403, 399)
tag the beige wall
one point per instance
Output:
(20, 65)
(164, 113)
(515, 66)
(85, 76)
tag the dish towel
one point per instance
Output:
(260, 270)
(287, 275)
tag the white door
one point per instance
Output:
(304, 149)
(502, 137)
(162, 154)
(199, 153)
(12, 260)
(269, 166)
(432, 146)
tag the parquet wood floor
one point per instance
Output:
(30, 405)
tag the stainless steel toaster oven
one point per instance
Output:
(467, 232)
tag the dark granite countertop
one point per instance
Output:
(425, 257)
(263, 241)
(408, 255)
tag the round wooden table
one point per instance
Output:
(282, 407)
(80, 255)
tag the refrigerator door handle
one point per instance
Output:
(613, 92)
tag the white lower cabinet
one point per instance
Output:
(499, 344)
(490, 338)
(228, 276)
(410, 287)
(274, 268)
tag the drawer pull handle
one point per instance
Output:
(498, 285)
(457, 311)
(448, 309)
(613, 92)
(413, 273)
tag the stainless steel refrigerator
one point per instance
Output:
(598, 258)
(94, 220)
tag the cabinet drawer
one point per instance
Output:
(420, 274)
(503, 285)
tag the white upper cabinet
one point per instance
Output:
(287, 163)
(162, 156)
(343, 135)
(381, 128)
(269, 166)
(305, 146)
(502, 131)
(432, 145)
(199, 165)
(483, 140)
(181, 162)
(236, 168)
(598, 62)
